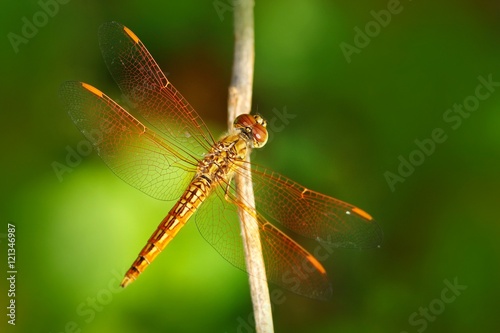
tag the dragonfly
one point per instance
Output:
(176, 158)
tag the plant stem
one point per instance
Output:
(239, 102)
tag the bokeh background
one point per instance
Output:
(355, 119)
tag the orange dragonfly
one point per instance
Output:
(180, 160)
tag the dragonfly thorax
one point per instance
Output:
(223, 159)
(229, 153)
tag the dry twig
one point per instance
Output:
(240, 99)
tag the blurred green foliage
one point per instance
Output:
(352, 121)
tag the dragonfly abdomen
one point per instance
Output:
(185, 207)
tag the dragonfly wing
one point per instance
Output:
(147, 89)
(291, 266)
(217, 221)
(288, 265)
(312, 214)
(135, 153)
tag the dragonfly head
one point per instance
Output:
(253, 127)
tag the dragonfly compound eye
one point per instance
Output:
(243, 121)
(259, 134)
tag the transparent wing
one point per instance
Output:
(299, 209)
(312, 214)
(135, 153)
(147, 89)
(288, 265)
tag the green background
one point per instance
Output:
(77, 234)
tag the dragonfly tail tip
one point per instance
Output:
(126, 281)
